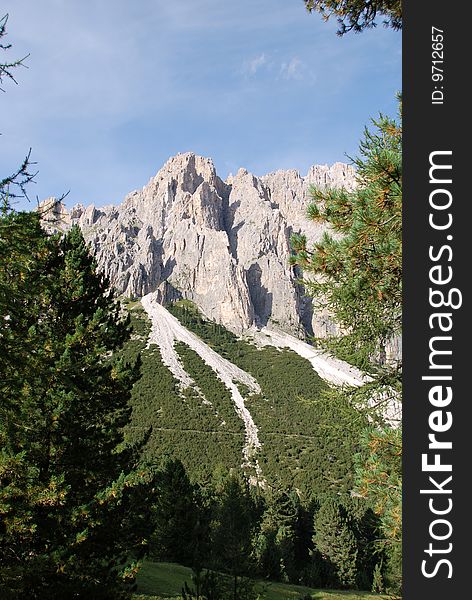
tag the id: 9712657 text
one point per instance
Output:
(437, 65)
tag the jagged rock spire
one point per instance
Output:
(224, 245)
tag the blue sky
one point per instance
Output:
(115, 87)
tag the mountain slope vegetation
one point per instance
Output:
(308, 440)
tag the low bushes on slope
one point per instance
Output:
(308, 434)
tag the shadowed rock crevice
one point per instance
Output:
(260, 296)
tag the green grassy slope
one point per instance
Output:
(165, 580)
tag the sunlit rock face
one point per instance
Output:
(222, 244)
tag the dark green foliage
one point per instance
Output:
(335, 540)
(377, 580)
(358, 279)
(212, 585)
(213, 390)
(366, 527)
(67, 482)
(357, 15)
(275, 545)
(175, 516)
(24, 272)
(309, 434)
(242, 534)
(183, 427)
(233, 528)
(207, 585)
(233, 525)
(359, 271)
(379, 481)
(307, 445)
(344, 551)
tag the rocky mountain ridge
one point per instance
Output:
(222, 244)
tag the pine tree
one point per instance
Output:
(14, 185)
(357, 15)
(336, 542)
(366, 528)
(232, 537)
(377, 581)
(379, 481)
(7, 68)
(68, 489)
(358, 262)
(68, 486)
(358, 278)
(177, 524)
(275, 543)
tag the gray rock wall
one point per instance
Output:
(223, 245)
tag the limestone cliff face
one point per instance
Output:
(223, 245)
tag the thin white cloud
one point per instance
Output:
(288, 69)
(293, 69)
(251, 67)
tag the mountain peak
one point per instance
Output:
(225, 246)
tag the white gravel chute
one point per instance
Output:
(328, 368)
(333, 370)
(165, 330)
